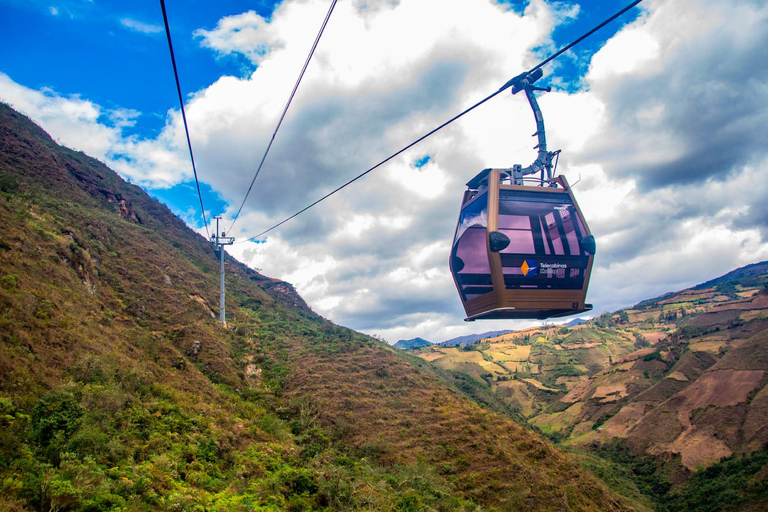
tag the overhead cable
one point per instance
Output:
(184, 115)
(406, 148)
(506, 86)
(285, 110)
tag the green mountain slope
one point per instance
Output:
(119, 390)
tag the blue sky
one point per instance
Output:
(665, 132)
(116, 54)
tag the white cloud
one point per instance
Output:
(71, 121)
(632, 51)
(140, 26)
(248, 34)
(687, 102)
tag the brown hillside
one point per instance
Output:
(120, 391)
(390, 410)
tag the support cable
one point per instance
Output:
(506, 86)
(409, 146)
(184, 115)
(285, 110)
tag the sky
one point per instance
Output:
(661, 118)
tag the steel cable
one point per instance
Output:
(184, 115)
(285, 110)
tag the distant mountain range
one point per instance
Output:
(471, 338)
(575, 322)
(468, 339)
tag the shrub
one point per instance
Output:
(9, 281)
(8, 184)
(44, 309)
(653, 356)
(55, 417)
(640, 341)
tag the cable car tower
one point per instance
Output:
(218, 243)
(522, 248)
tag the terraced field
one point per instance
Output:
(682, 378)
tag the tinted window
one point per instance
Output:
(544, 229)
(469, 250)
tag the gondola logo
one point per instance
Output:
(529, 268)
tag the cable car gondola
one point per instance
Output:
(522, 251)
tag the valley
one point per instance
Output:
(680, 378)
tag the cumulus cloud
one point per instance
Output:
(71, 121)
(666, 134)
(686, 90)
(247, 34)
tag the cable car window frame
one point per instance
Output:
(483, 214)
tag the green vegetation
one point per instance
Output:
(640, 341)
(155, 453)
(644, 470)
(9, 281)
(619, 477)
(653, 356)
(735, 483)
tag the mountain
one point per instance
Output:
(413, 343)
(119, 390)
(739, 275)
(575, 322)
(470, 338)
(678, 381)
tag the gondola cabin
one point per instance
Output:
(521, 251)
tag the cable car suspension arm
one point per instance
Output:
(543, 163)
